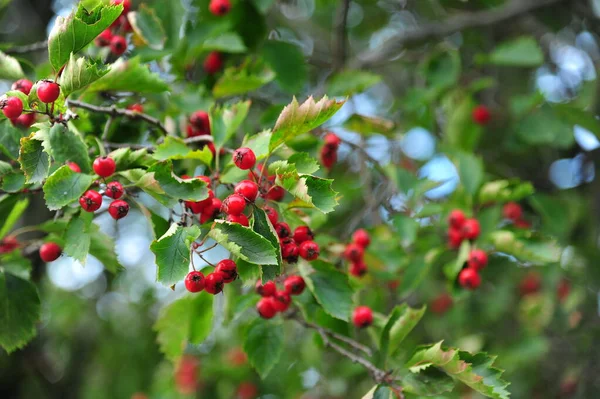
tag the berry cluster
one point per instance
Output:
(481, 115)
(362, 316)
(186, 375)
(219, 7)
(513, 212)
(329, 150)
(225, 272)
(8, 244)
(461, 228)
(273, 301)
(354, 252)
(299, 244)
(114, 36)
(13, 108)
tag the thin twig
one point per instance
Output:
(340, 38)
(28, 48)
(343, 338)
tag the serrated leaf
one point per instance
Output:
(187, 320)
(261, 355)
(248, 272)
(187, 190)
(367, 125)
(244, 243)
(64, 187)
(304, 163)
(225, 120)
(79, 73)
(228, 42)
(64, 146)
(146, 181)
(172, 252)
(10, 138)
(505, 190)
(16, 264)
(330, 287)
(130, 75)
(13, 216)
(288, 63)
(347, 83)
(102, 247)
(262, 225)
(296, 119)
(428, 382)
(521, 52)
(476, 371)
(175, 148)
(10, 68)
(532, 251)
(13, 182)
(148, 27)
(243, 79)
(73, 33)
(78, 237)
(21, 308)
(34, 161)
(5, 168)
(259, 143)
(401, 321)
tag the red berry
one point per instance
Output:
(104, 38)
(294, 285)
(455, 237)
(512, 211)
(362, 316)
(200, 122)
(246, 390)
(219, 7)
(309, 250)
(90, 201)
(290, 251)
(228, 268)
(361, 238)
(282, 229)
(126, 5)
(114, 190)
(469, 278)
(530, 284)
(328, 157)
(481, 115)
(332, 141)
(441, 303)
(8, 244)
(50, 251)
(211, 211)
(247, 189)
(136, 108)
(48, 91)
(23, 85)
(241, 219)
(456, 219)
(24, 120)
(303, 233)
(266, 308)
(213, 62)
(276, 194)
(244, 158)
(118, 45)
(194, 281)
(563, 289)
(104, 166)
(354, 252)
(522, 224)
(358, 269)
(214, 282)
(267, 289)
(478, 259)
(198, 206)
(12, 107)
(271, 214)
(118, 209)
(205, 179)
(471, 229)
(234, 205)
(281, 301)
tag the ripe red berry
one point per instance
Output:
(290, 251)
(282, 229)
(104, 166)
(241, 219)
(48, 91)
(281, 301)
(441, 304)
(361, 238)
(198, 206)
(234, 205)
(114, 190)
(246, 390)
(481, 115)
(200, 121)
(219, 7)
(469, 278)
(266, 308)
(74, 167)
(332, 141)
(328, 157)
(354, 252)
(563, 289)
(126, 5)
(303, 233)
(228, 268)
(294, 285)
(23, 85)
(512, 211)
(271, 214)
(244, 158)
(362, 316)
(118, 45)
(214, 282)
(24, 120)
(8, 244)
(358, 269)
(211, 211)
(455, 237)
(12, 107)
(247, 189)
(118, 209)
(522, 224)
(530, 284)
(456, 219)
(471, 229)
(275, 193)
(213, 62)
(136, 108)
(309, 250)
(90, 201)
(104, 38)
(194, 281)
(50, 251)
(478, 259)
(267, 289)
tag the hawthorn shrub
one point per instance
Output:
(292, 259)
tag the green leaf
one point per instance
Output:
(259, 143)
(263, 343)
(429, 382)
(130, 75)
(407, 229)
(262, 225)
(505, 190)
(10, 68)
(348, 82)
(243, 79)
(79, 73)
(172, 252)
(187, 190)
(521, 52)
(304, 163)
(13, 182)
(452, 269)
(65, 186)
(5, 168)
(442, 69)
(544, 127)
(470, 170)
(148, 27)
(10, 138)
(73, 33)
(13, 217)
(102, 247)
(16, 264)
(287, 61)
(78, 237)
(175, 148)
(476, 371)
(367, 125)
(35, 163)
(244, 243)
(330, 287)
(400, 323)
(228, 42)
(461, 132)
(64, 146)
(225, 120)
(532, 251)
(296, 119)
(187, 320)
(21, 310)
(146, 181)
